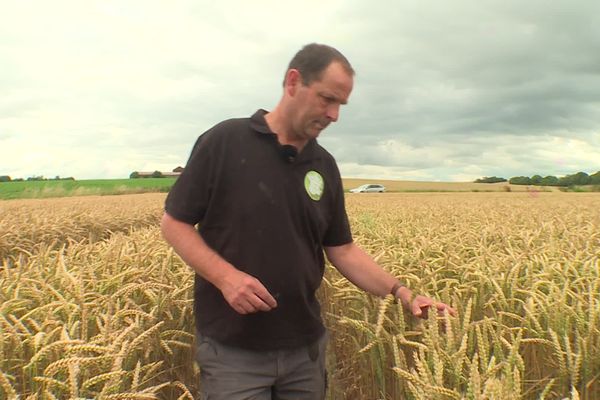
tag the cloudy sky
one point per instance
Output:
(445, 90)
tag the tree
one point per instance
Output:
(520, 180)
(157, 174)
(5, 178)
(491, 179)
(595, 178)
(549, 180)
(134, 175)
(536, 180)
(580, 178)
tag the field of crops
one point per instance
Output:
(95, 305)
(85, 187)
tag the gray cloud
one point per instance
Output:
(444, 90)
(454, 75)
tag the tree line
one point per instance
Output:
(577, 179)
(7, 178)
(137, 175)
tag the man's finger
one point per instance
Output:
(420, 305)
(239, 309)
(441, 307)
(259, 304)
(263, 294)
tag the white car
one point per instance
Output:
(369, 188)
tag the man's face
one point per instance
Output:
(318, 104)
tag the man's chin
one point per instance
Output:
(314, 132)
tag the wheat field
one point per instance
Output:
(95, 305)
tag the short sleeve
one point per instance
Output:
(189, 197)
(338, 233)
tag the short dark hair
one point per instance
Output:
(313, 59)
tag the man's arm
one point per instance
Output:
(359, 268)
(244, 293)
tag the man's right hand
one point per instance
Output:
(245, 294)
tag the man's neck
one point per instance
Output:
(276, 122)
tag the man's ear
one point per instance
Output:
(293, 80)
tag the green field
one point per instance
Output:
(65, 188)
(50, 188)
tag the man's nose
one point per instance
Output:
(333, 112)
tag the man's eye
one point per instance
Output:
(327, 99)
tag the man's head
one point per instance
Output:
(313, 59)
(317, 82)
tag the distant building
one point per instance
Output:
(171, 173)
(175, 173)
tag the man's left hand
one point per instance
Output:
(419, 305)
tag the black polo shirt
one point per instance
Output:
(269, 213)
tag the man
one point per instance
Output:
(269, 201)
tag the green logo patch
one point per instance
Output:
(314, 185)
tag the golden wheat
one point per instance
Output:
(523, 273)
(93, 303)
(67, 335)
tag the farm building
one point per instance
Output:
(147, 174)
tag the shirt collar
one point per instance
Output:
(259, 124)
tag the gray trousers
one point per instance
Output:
(231, 373)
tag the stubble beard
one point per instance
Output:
(317, 127)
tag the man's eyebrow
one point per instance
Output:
(333, 97)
